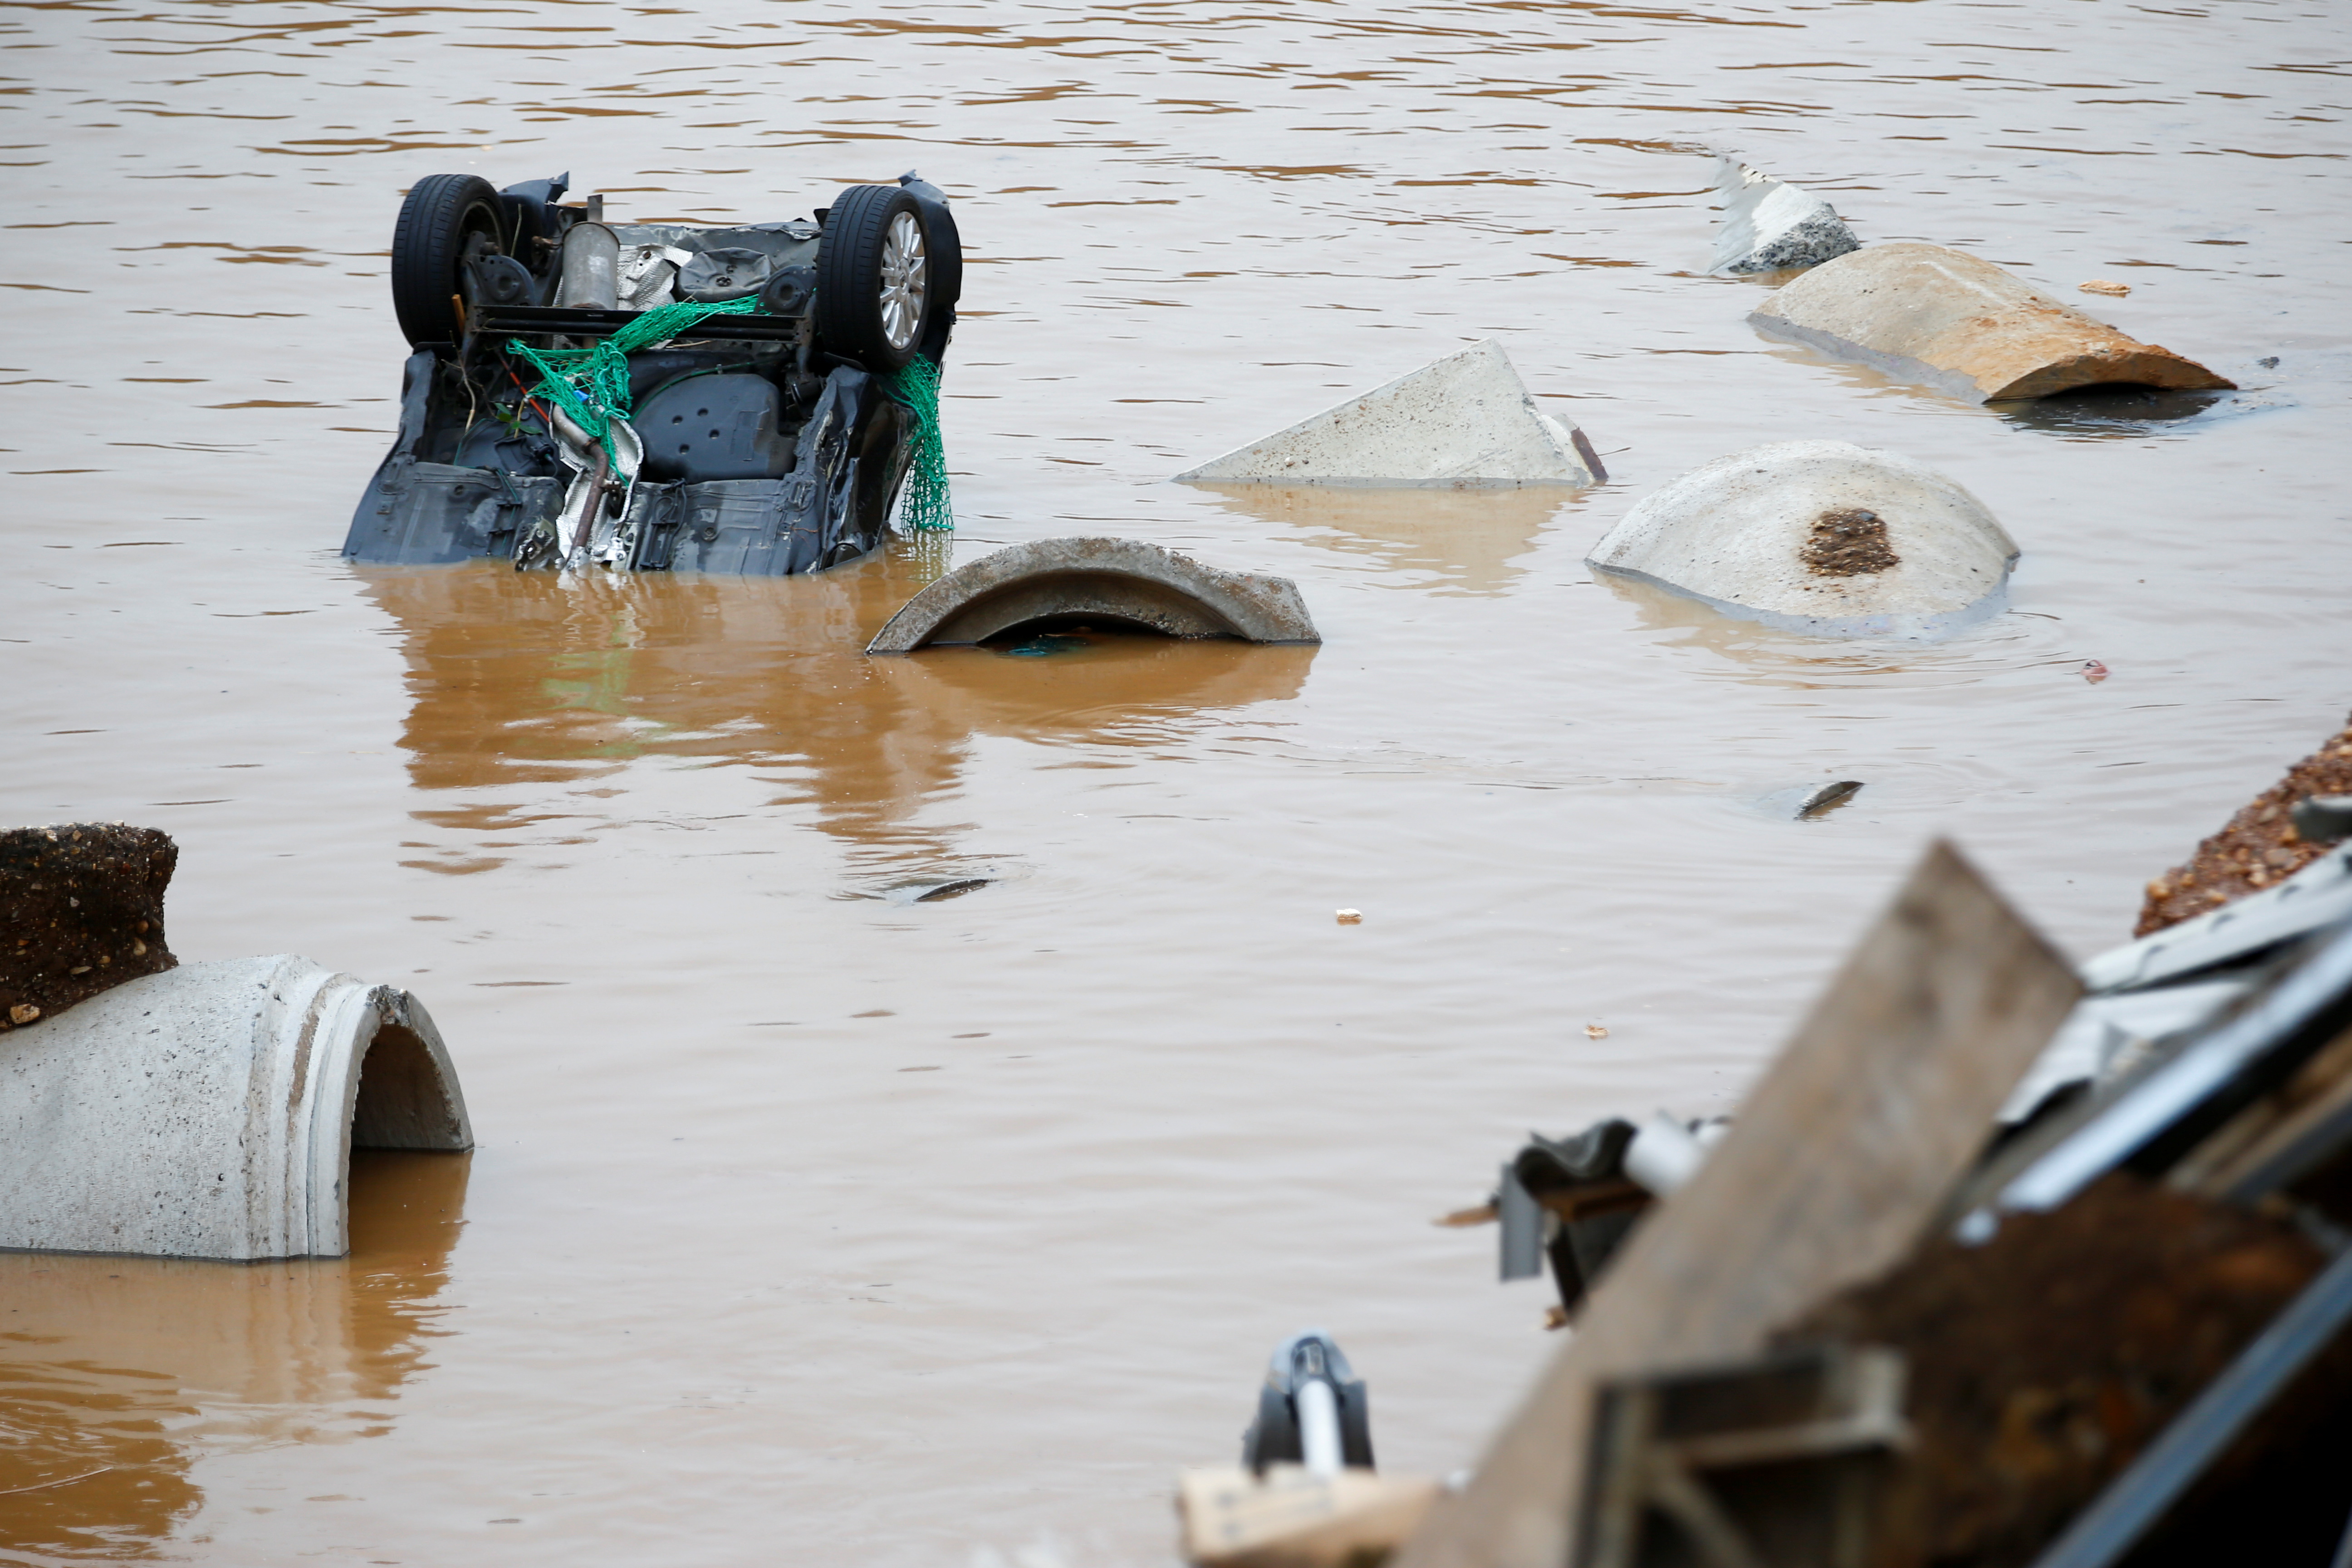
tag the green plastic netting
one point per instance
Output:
(592, 384)
(592, 387)
(926, 509)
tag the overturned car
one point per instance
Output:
(650, 396)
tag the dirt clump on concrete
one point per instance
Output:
(1849, 544)
(82, 905)
(2258, 848)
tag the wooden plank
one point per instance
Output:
(1843, 1152)
(1290, 1518)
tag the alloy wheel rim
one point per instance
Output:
(905, 272)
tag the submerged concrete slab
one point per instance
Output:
(1946, 319)
(1123, 580)
(81, 905)
(211, 1110)
(1771, 225)
(1823, 537)
(1465, 420)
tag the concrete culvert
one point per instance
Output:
(1124, 582)
(211, 1110)
(1948, 320)
(1822, 537)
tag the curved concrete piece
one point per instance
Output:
(211, 1110)
(1925, 313)
(1113, 579)
(1465, 420)
(1770, 225)
(1822, 537)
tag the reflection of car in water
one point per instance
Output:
(522, 681)
(654, 395)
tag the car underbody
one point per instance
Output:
(658, 396)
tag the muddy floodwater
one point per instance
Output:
(813, 1223)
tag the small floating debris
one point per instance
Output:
(1351, 917)
(932, 891)
(1596, 1031)
(2094, 671)
(2105, 286)
(1828, 798)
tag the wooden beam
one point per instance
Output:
(1839, 1157)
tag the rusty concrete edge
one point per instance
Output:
(2178, 372)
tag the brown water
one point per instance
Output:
(813, 1224)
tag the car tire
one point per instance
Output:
(446, 221)
(877, 276)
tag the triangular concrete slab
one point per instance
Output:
(1465, 420)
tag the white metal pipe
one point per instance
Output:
(1319, 1426)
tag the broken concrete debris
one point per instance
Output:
(1821, 537)
(82, 905)
(2262, 845)
(1770, 225)
(210, 1111)
(1124, 582)
(1464, 421)
(1942, 317)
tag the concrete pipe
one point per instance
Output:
(1122, 579)
(1822, 537)
(211, 1110)
(1945, 319)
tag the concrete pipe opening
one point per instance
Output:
(1109, 584)
(211, 1112)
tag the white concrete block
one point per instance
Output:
(1465, 420)
(210, 1111)
(1769, 225)
(1823, 537)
